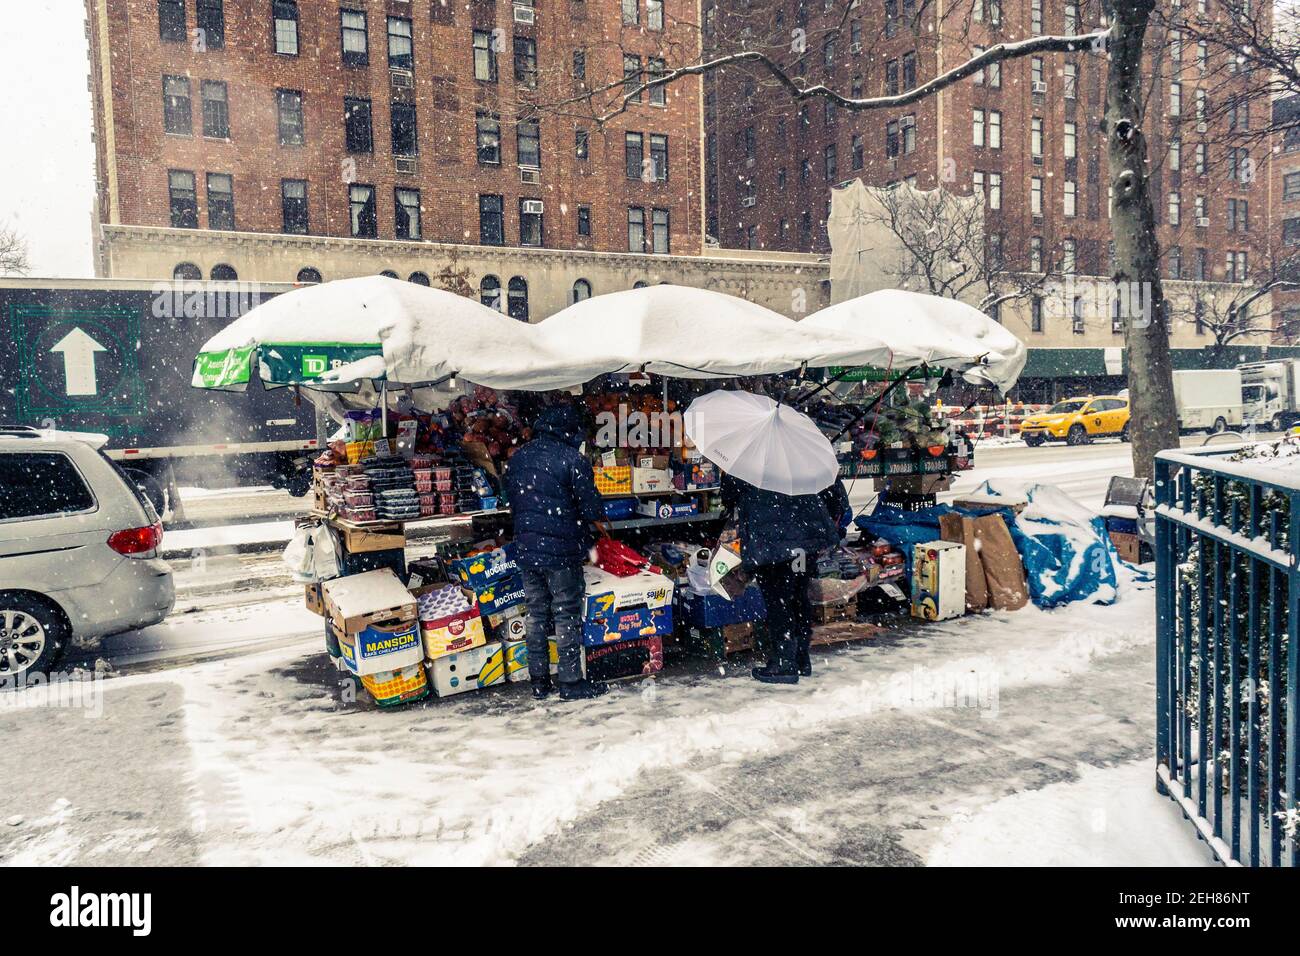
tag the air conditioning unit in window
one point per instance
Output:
(530, 174)
(401, 79)
(749, 162)
(525, 14)
(1201, 127)
(855, 48)
(406, 165)
(1040, 86)
(747, 202)
(1203, 222)
(532, 207)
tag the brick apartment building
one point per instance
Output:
(391, 123)
(1285, 183)
(1024, 133)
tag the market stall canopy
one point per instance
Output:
(344, 335)
(682, 332)
(897, 329)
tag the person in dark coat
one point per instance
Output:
(554, 502)
(836, 499)
(780, 538)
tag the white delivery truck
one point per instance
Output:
(1208, 399)
(1271, 391)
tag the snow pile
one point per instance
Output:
(1281, 457)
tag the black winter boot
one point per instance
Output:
(542, 687)
(803, 660)
(582, 690)
(774, 673)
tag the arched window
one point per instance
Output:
(489, 292)
(389, 274)
(187, 272)
(517, 298)
(581, 290)
(308, 274)
(224, 273)
(419, 278)
(638, 284)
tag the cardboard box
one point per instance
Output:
(376, 621)
(620, 509)
(650, 480)
(636, 658)
(516, 657)
(453, 634)
(1128, 546)
(665, 508)
(613, 480)
(737, 637)
(628, 624)
(508, 625)
(653, 462)
(713, 610)
(315, 600)
(474, 669)
(359, 541)
(606, 592)
(481, 570)
(393, 688)
(501, 595)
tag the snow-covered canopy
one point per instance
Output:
(897, 329)
(339, 335)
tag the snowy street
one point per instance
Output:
(221, 738)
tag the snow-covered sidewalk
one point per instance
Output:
(277, 770)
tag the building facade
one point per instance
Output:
(418, 121)
(1023, 134)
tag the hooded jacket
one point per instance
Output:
(775, 528)
(552, 489)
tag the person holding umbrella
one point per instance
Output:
(554, 500)
(776, 462)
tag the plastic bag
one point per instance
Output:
(726, 576)
(298, 556)
(618, 559)
(325, 554)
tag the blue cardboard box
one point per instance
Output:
(617, 509)
(713, 610)
(628, 624)
(479, 571)
(500, 595)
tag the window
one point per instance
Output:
(1069, 140)
(176, 106)
(1071, 18)
(891, 78)
(654, 14)
(1199, 208)
(216, 111)
(285, 14)
(1202, 105)
(1175, 154)
(1071, 194)
(491, 220)
(35, 484)
(662, 244)
(488, 134)
(1291, 186)
(184, 200)
(579, 64)
(406, 138)
(994, 76)
(530, 222)
(221, 201)
(908, 127)
(1238, 215)
(635, 229)
(581, 143)
(1201, 159)
(288, 109)
(1035, 17)
(1036, 139)
(1036, 314)
(365, 220)
(356, 47)
(1175, 98)
(581, 290)
(857, 152)
(632, 76)
(526, 61)
(485, 57)
(1036, 196)
(293, 206)
(1077, 316)
(584, 220)
(528, 137)
(995, 129)
(1291, 232)
(517, 298)
(891, 139)
(419, 278)
(171, 20)
(659, 94)
(187, 272)
(223, 273)
(977, 185)
(995, 193)
(659, 157)
(1175, 209)
(1036, 74)
(406, 208)
(1070, 81)
(631, 12)
(401, 45)
(634, 155)
(977, 127)
(358, 132)
(1036, 253)
(830, 164)
(489, 292)
(210, 17)
(909, 70)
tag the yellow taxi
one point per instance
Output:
(1076, 421)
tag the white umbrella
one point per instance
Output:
(763, 442)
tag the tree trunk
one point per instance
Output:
(1154, 423)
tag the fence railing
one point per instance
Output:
(1227, 616)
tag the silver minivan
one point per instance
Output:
(79, 550)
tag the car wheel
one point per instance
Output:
(32, 637)
(1078, 435)
(1220, 426)
(1033, 441)
(1123, 433)
(1277, 424)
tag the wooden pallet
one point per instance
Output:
(841, 631)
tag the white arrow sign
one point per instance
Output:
(79, 350)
